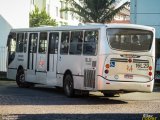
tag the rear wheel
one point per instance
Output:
(68, 86)
(85, 93)
(111, 94)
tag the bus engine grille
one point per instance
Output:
(89, 78)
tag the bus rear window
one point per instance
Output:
(130, 39)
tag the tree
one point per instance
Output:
(37, 18)
(98, 11)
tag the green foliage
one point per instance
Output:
(99, 11)
(38, 18)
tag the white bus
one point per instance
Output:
(109, 58)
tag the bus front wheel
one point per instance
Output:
(68, 86)
(20, 80)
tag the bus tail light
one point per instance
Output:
(106, 71)
(107, 66)
(150, 73)
(150, 68)
(130, 60)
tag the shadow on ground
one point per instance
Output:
(55, 97)
(10, 94)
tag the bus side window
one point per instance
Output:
(25, 43)
(76, 42)
(64, 43)
(11, 43)
(43, 42)
(90, 42)
(33, 42)
(53, 43)
(20, 44)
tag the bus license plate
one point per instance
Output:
(142, 65)
(128, 76)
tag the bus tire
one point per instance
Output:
(20, 80)
(110, 94)
(85, 94)
(68, 86)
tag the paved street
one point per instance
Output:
(49, 103)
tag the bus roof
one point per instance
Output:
(134, 26)
(82, 26)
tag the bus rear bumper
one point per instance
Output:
(107, 85)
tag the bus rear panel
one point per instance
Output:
(129, 65)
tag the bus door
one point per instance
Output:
(52, 58)
(11, 66)
(32, 51)
(41, 64)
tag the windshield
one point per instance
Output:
(11, 43)
(129, 39)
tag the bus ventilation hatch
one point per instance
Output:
(89, 78)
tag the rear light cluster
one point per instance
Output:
(130, 60)
(107, 68)
(150, 70)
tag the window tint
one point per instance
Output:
(53, 43)
(130, 39)
(33, 42)
(11, 43)
(90, 42)
(25, 42)
(43, 42)
(64, 43)
(76, 42)
(20, 44)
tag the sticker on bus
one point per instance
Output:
(128, 76)
(112, 64)
(142, 65)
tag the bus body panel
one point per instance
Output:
(89, 72)
(12, 70)
(75, 67)
(125, 76)
(41, 68)
(52, 71)
(126, 70)
(129, 68)
(103, 85)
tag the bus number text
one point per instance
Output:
(142, 65)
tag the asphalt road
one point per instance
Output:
(41, 103)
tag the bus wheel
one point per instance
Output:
(68, 86)
(110, 94)
(20, 80)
